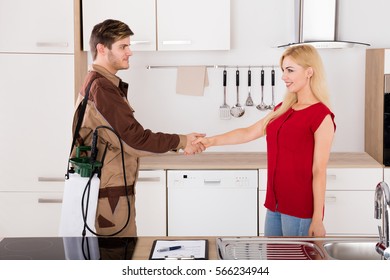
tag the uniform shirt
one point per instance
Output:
(290, 150)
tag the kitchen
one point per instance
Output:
(273, 25)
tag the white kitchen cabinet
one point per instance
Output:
(150, 203)
(193, 25)
(39, 26)
(30, 214)
(139, 15)
(36, 115)
(176, 24)
(349, 200)
(386, 175)
(350, 213)
(387, 61)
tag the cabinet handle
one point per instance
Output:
(149, 179)
(51, 179)
(49, 200)
(330, 199)
(331, 176)
(52, 44)
(140, 42)
(177, 42)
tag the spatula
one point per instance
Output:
(224, 109)
(249, 101)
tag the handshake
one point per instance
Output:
(196, 143)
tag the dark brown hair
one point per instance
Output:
(107, 33)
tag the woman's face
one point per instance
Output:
(295, 76)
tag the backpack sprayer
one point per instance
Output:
(82, 184)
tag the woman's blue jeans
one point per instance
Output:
(277, 224)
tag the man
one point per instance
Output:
(110, 115)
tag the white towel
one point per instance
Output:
(191, 80)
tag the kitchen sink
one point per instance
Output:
(267, 249)
(352, 250)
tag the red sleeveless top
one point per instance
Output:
(290, 150)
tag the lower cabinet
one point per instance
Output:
(350, 213)
(150, 203)
(30, 214)
(349, 201)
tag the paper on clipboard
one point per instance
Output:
(190, 249)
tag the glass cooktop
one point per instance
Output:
(67, 248)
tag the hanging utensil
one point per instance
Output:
(272, 106)
(262, 106)
(249, 101)
(237, 110)
(224, 109)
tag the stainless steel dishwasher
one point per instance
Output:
(212, 202)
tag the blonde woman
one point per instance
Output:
(299, 134)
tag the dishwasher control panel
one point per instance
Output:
(213, 178)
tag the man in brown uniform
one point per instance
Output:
(108, 107)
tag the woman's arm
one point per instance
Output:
(236, 136)
(323, 138)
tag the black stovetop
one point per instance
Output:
(67, 248)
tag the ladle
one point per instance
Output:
(237, 110)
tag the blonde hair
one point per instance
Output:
(305, 56)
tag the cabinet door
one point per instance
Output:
(139, 15)
(350, 213)
(29, 214)
(39, 26)
(36, 115)
(193, 25)
(150, 203)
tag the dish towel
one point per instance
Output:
(191, 80)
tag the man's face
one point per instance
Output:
(118, 57)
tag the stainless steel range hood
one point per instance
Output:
(316, 24)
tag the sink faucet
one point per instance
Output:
(382, 211)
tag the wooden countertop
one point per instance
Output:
(244, 160)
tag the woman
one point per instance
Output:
(299, 135)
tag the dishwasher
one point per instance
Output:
(212, 202)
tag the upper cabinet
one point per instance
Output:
(139, 15)
(193, 25)
(25, 28)
(165, 24)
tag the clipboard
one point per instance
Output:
(190, 249)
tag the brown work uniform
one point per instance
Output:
(108, 106)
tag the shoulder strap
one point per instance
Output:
(81, 112)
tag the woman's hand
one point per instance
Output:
(317, 229)
(204, 141)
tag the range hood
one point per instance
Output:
(316, 24)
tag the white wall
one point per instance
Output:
(257, 26)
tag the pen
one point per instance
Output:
(169, 248)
